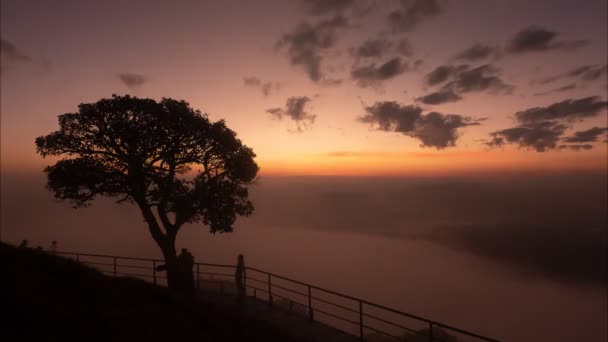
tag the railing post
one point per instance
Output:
(244, 282)
(154, 271)
(310, 312)
(198, 276)
(361, 320)
(114, 266)
(430, 331)
(269, 291)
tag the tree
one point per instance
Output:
(169, 159)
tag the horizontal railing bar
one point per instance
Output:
(117, 265)
(217, 274)
(435, 323)
(108, 256)
(258, 280)
(378, 306)
(257, 288)
(393, 324)
(215, 265)
(134, 275)
(335, 316)
(97, 263)
(382, 332)
(334, 304)
(290, 290)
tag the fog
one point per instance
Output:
(517, 257)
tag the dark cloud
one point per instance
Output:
(441, 74)
(534, 39)
(566, 110)
(567, 87)
(589, 72)
(373, 74)
(443, 95)
(541, 128)
(266, 87)
(319, 7)
(381, 47)
(12, 53)
(540, 136)
(587, 136)
(463, 80)
(373, 48)
(132, 80)
(586, 73)
(477, 52)
(404, 48)
(481, 78)
(578, 147)
(433, 129)
(306, 43)
(413, 12)
(295, 109)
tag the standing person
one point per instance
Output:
(240, 277)
(185, 262)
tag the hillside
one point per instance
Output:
(48, 298)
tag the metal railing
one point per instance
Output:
(352, 315)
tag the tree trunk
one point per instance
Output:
(172, 266)
(166, 242)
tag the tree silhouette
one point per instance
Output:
(169, 159)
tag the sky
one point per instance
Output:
(340, 87)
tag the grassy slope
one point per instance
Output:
(48, 298)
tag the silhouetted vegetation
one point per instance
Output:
(169, 159)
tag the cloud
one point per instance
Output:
(567, 87)
(566, 110)
(377, 48)
(12, 53)
(590, 135)
(306, 44)
(578, 147)
(463, 80)
(433, 129)
(266, 87)
(404, 48)
(441, 96)
(373, 74)
(535, 39)
(441, 74)
(372, 48)
(539, 136)
(477, 52)
(413, 12)
(295, 109)
(132, 80)
(541, 128)
(320, 7)
(587, 73)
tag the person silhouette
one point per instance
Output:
(185, 262)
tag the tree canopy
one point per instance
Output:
(171, 160)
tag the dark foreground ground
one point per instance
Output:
(44, 297)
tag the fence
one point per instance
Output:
(353, 315)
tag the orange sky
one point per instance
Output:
(203, 51)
